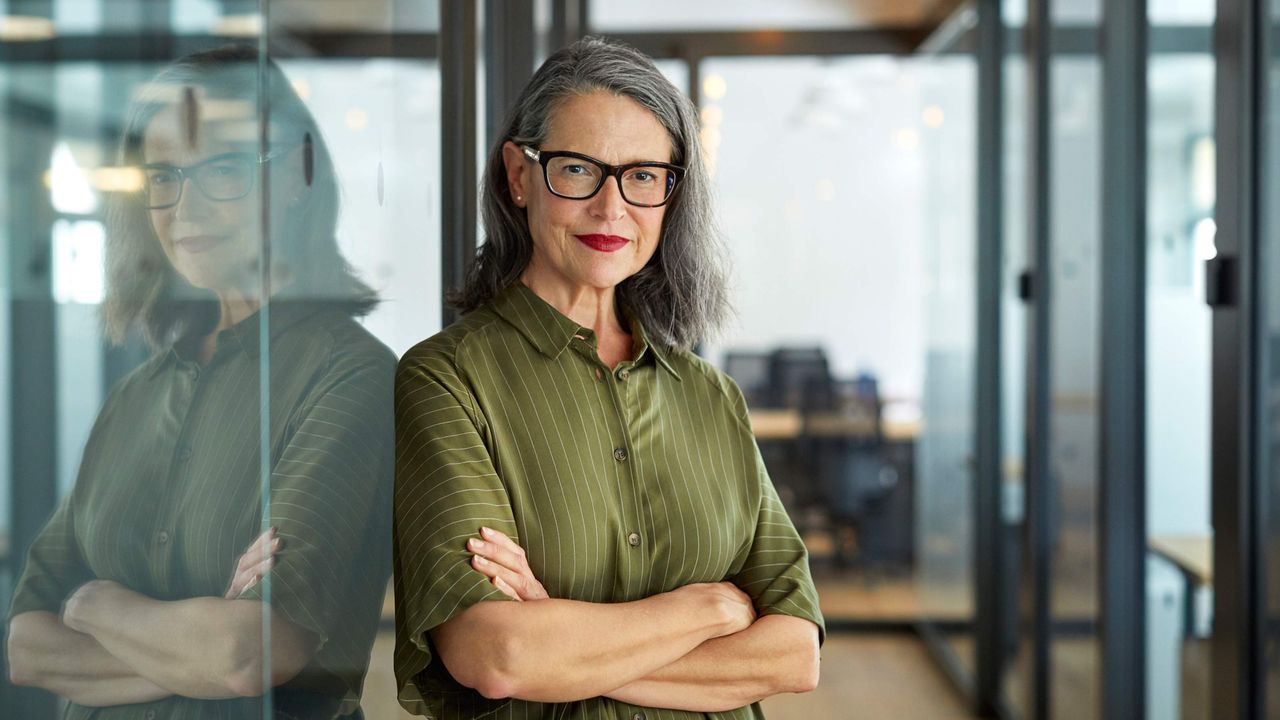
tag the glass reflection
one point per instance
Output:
(226, 545)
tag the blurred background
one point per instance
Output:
(976, 259)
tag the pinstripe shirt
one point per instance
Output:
(619, 483)
(169, 490)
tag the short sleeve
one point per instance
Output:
(775, 572)
(329, 499)
(55, 566)
(446, 489)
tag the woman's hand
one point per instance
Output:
(500, 559)
(256, 561)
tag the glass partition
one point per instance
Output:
(845, 190)
(1180, 238)
(212, 258)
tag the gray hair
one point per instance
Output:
(680, 297)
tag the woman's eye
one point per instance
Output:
(644, 176)
(161, 177)
(575, 169)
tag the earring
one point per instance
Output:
(519, 198)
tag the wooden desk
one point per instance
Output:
(776, 424)
(1192, 554)
(791, 424)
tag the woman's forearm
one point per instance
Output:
(202, 647)
(776, 654)
(45, 653)
(564, 650)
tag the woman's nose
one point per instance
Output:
(191, 201)
(608, 203)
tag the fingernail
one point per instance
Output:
(481, 561)
(486, 531)
(475, 543)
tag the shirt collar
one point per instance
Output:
(245, 335)
(551, 332)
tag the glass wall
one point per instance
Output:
(1074, 205)
(1013, 356)
(212, 259)
(1180, 238)
(860, 208)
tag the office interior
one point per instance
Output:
(1003, 277)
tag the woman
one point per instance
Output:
(139, 598)
(561, 447)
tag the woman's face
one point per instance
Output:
(567, 234)
(213, 243)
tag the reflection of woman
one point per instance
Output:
(561, 447)
(139, 599)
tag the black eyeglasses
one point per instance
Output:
(575, 176)
(229, 176)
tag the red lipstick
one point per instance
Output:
(603, 243)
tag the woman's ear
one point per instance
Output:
(517, 173)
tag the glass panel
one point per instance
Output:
(379, 118)
(1073, 423)
(1181, 12)
(876, 224)
(1013, 374)
(1180, 232)
(191, 375)
(609, 16)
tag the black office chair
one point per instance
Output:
(751, 371)
(859, 481)
(800, 379)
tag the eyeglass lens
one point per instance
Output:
(576, 178)
(228, 178)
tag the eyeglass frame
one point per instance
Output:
(184, 170)
(543, 158)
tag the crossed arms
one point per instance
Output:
(699, 647)
(114, 646)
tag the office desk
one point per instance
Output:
(1192, 555)
(776, 424)
(791, 424)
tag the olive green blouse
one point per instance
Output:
(620, 484)
(170, 488)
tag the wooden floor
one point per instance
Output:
(865, 676)
(874, 676)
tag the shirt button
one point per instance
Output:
(184, 454)
(162, 537)
(623, 375)
(638, 716)
(633, 539)
(620, 454)
(151, 715)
